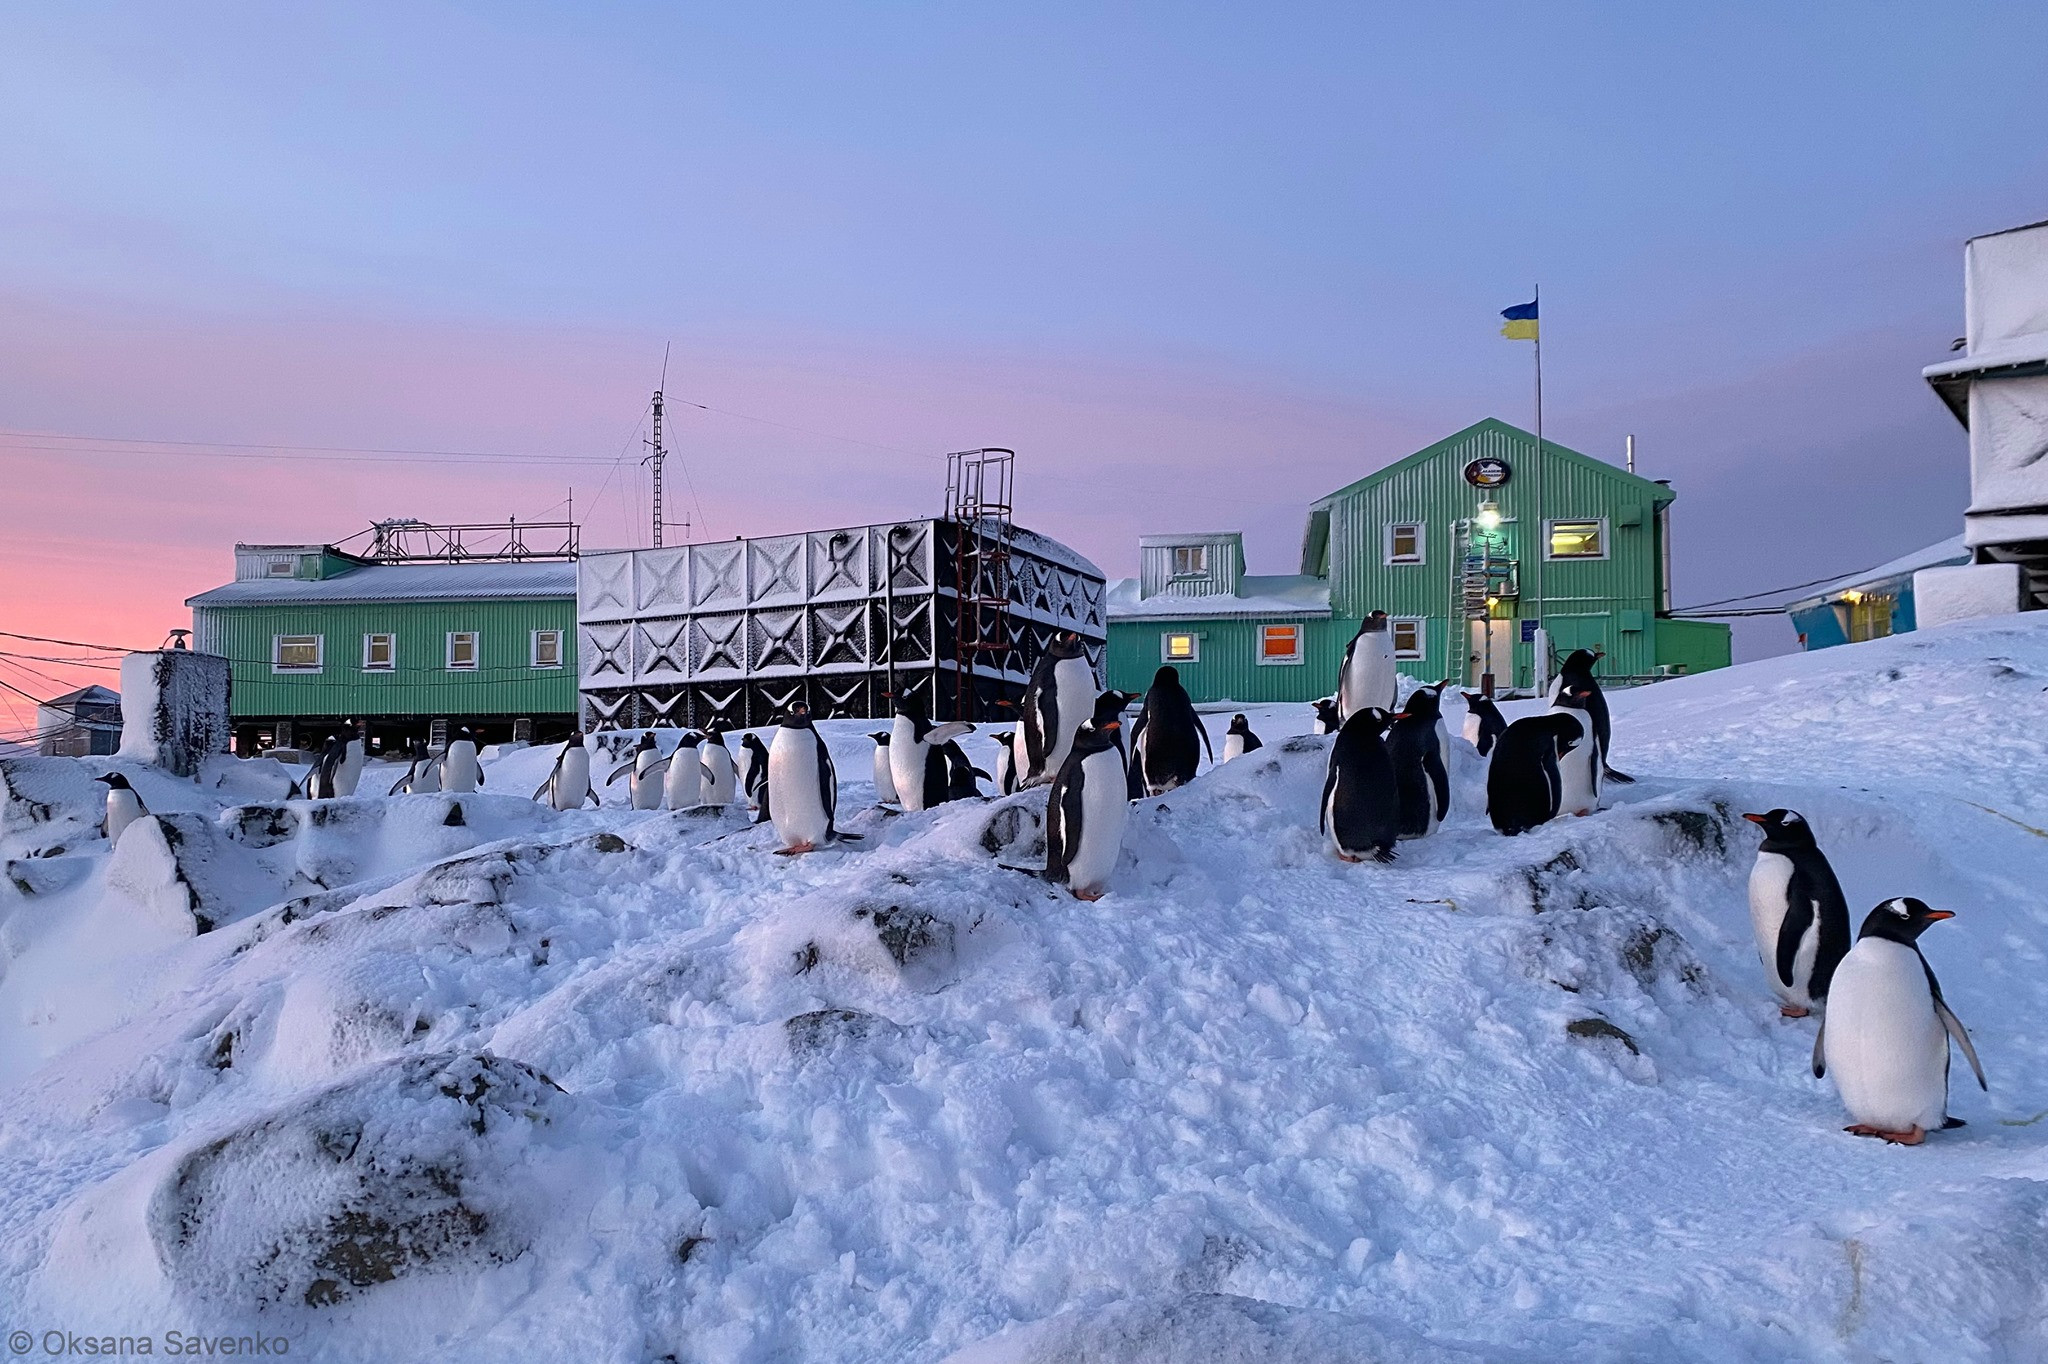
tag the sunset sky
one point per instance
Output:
(1198, 264)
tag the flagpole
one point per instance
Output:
(1538, 667)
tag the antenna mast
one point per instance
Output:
(655, 459)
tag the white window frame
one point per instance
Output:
(1166, 654)
(533, 649)
(1300, 646)
(1550, 533)
(390, 664)
(1200, 555)
(1421, 649)
(476, 649)
(281, 566)
(1421, 554)
(277, 663)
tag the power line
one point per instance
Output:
(1772, 591)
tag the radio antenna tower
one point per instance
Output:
(660, 453)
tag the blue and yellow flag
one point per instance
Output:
(1521, 322)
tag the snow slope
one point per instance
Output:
(624, 1086)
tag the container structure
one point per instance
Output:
(1870, 605)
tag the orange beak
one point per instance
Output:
(1754, 819)
(1114, 724)
(1936, 914)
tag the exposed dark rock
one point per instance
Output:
(608, 843)
(454, 819)
(1700, 831)
(823, 1029)
(1594, 1029)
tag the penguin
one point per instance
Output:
(720, 780)
(917, 767)
(1483, 721)
(1798, 911)
(568, 783)
(1577, 670)
(754, 754)
(1886, 1032)
(1240, 740)
(422, 777)
(1578, 769)
(348, 770)
(1522, 783)
(644, 764)
(961, 775)
(802, 789)
(1085, 811)
(460, 771)
(1361, 806)
(1006, 763)
(1164, 754)
(1367, 679)
(682, 786)
(320, 781)
(1428, 702)
(1056, 703)
(1328, 721)
(1421, 781)
(124, 806)
(885, 775)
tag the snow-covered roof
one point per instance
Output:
(1270, 594)
(403, 582)
(1045, 547)
(1949, 551)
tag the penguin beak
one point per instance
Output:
(1114, 724)
(1937, 915)
(1754, 819)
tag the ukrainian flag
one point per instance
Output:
(1521, 322)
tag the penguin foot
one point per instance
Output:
(1912, 1136)
(1792, 1011)
(1090, 895)
(1383, 855)
(1347, 857)
(796, 849)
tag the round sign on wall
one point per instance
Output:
(1487, 473)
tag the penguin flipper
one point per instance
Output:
(1433, 768)
(543, 787)
(1329, 785)
(1820, 1065)
(621, 770)
(1056, 850)
(1962, 1037)
(1799, 914)
(1618, 778)
(952, 729)
(1203, 730)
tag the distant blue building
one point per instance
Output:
(1872, 604)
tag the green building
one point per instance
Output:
(1476, 547)
(317, 637)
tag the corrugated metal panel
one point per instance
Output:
(1225, 565)
(1228, 669)
(401, 583)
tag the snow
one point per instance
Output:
(519, 1084)
(1276, 594)
(1965, 592)
(1943, 552)
(174, 709)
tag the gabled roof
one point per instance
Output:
(1657, 492)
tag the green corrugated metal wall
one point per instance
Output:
(1228, 668)
(504, 682)
(1693, 646)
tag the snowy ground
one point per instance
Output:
(623, 1086)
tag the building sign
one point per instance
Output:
(1487, 473)
(1529, 631)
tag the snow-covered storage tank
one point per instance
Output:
(174, 708)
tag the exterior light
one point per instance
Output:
(1852, 596)
(1489, 516)
(1492, 602)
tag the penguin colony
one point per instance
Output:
(1885, 1032)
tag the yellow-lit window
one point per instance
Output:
(1578, 540)
(1279, 644)
(1870, 615)
(380, 653)
(295, 653)
(462, 651)
(1407, 638)
(1404, 543)
(1175, 647)
(547, 648)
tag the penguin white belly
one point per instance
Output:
(1471, 730)
(1074, 693)
(743, 769)
(1370, 680)
(572, 781)
(350, 770)
(425, 780)
(1578, 774)
(885, 772)
(123, 809)
(683, 783)
(1105, 805)
(646, 789)
(459, 769)
(1002, 769)
(795, 802)
(1770, 882)
(906, 763)
(1233, 746)
(719, 778)
(1884, 1045)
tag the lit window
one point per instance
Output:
(1190, 561)
(1407, 638)
(547, 648)
(462, 651)
(1179, 648)
(295, 653)
(1404, 543)
(1279, 644)
(1578, 540)
(380, 653)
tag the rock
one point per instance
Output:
(1596, 1029)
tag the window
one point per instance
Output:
(296, 653)
(1404, 542)
(547, 648)
(462, 651)
(1407, 637)
(1176, 647)
(380, 653)
(1279, 644)
(1190, 561)
(1578, 540)
(282, 565)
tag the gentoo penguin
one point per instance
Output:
(1428, 703)
(1578, 770)
(803, 789)
(1328, 721)
(644, 765)
(961, 774)
(1367, 679)
(885, 775)
(349, 769)
(1577, 671)
(1422, 782)
(754, 760)
(423, 776)
(1240, 740)
(1885, 1035)
(124, 807)
(1006, 763)
(1797, 910)
(720, 782)
(1085, 812)
(460, 771)
(1060, 698)
(682, 784)
(1522, 785)
(1361, 805)
(1164, 751)
(320, 781)
(1483, 721)
(568, 783)
(917, 768)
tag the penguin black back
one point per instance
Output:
(1522, 784)
(1812, 895)
(1422, 784)
(1491, 723)
(1361, 805)
(1168, 739)
(1242, 728)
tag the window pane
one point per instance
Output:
(1189, 560)
(1406, 542)
(1280, 641)
(298, 651)
(462, 650)
(1180, 648)
(1575, 539)
(547, 648)
(1408, 639)
(377, 651)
